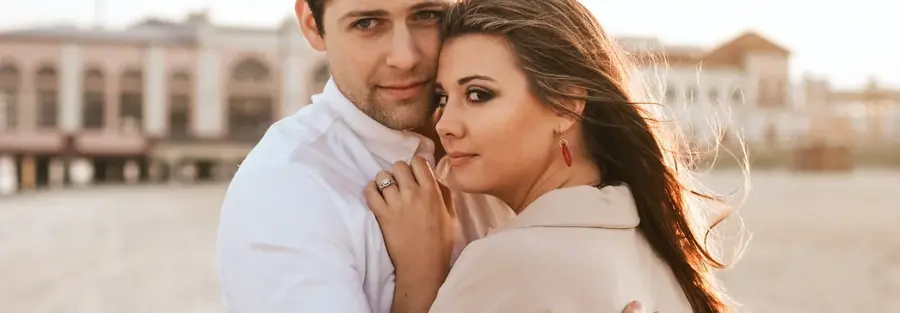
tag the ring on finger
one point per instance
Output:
(384, 183)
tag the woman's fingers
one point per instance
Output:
(404, 176)
(375, 200)
(423, 174)
(388, 187)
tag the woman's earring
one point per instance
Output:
(564, 146)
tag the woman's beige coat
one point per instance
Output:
(572, 250)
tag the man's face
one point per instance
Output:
(383, 55)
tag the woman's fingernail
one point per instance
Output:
(636, 306)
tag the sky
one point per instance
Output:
(845, 41)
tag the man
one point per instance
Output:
(295, 234)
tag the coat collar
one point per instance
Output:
(610, 207)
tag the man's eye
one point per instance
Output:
(366, 23)
(428, 15)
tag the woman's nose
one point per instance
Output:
(449, 124)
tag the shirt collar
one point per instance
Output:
(580, 206)
(389, 144)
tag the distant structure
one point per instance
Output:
(185, 101)
(157, 101)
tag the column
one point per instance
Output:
(112, 118)
(29, 173)
(155, 92)
(8, 180)
(208, 118)
(81, 172)
(183, 171)
(131, 172)
(57, 172)
(70, 95)
(155, 170)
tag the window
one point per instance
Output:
(713, 95)
(131, 111)
(47, 98)
(690, 93)
(9, 93)
(94, 104)
(179, 116)
(131, 102)
(93, 112)
(248, 118)
(47, 108)
(737, 96)
(672, 93)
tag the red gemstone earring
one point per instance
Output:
(564, 146)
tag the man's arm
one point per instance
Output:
(284, 247)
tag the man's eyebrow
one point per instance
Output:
(439, 5)
(442, 5)
(364, 13)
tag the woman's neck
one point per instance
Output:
(556, 176)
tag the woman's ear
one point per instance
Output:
(573, 102)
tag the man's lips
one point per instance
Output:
(403, 90)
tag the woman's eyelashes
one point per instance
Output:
(472, 95)
(478, 94)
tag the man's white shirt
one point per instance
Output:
(295, 233)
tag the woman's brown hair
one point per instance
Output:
(559, 44)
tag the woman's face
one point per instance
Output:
(496, 133)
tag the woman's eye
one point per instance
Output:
(479, 95)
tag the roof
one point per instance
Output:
(147, 31)
(728, 54)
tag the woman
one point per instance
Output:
(536, 112)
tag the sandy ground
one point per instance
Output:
(821, 243)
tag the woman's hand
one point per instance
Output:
(419, 227)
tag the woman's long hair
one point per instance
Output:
(559, 44)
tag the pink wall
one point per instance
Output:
(28, 57)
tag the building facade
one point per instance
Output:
(156, 101)
(186, 101)
(740, 87)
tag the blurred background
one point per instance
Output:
(121, 123)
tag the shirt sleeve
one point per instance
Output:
(285, 247)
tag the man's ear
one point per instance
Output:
(308, 25)
(572, 104)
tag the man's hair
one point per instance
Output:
(318, 9)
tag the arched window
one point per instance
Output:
(250, 100)
(9, 95)
(47, 97)
(94, 104)
(131, 101)
(180, 105)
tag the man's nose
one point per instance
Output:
(404, 53)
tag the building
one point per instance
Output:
(157, 101)
(740, 87)
(186, 101)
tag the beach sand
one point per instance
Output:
(821, 243)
